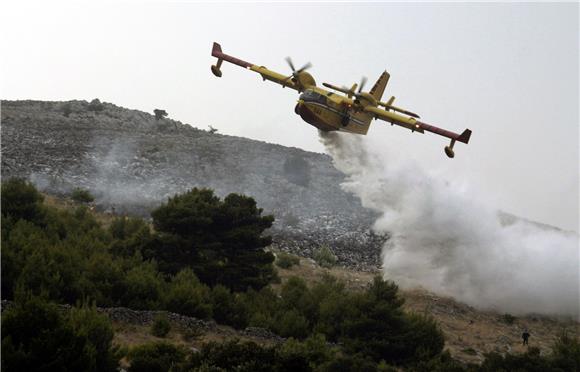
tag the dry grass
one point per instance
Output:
(311, 272)
(131, 335)
(104, 219)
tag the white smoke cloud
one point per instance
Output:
(447, 241)
(120, 175)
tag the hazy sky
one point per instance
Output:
(507, 71)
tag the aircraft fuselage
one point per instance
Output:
(328, 111)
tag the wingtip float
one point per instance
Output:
(351, 112)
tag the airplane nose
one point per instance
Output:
(297, 108)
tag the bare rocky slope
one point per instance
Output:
(131, 162)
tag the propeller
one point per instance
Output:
(352, 90)
(295, 72)
(363, 81)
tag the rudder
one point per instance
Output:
(379, 87)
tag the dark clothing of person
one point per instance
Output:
(525, 337)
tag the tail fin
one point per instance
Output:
(380, 85)
(464, 137)
(216, 49)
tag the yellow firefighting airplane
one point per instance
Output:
(352, 113)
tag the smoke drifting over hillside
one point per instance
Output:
(445, 240)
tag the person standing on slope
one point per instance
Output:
(525, 336)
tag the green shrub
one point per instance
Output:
(441, 363)
(156, 357)
(96, 105)
(145, 287)
(286, 260)
(37, 337)
(228, 308)
(188, 296)
(529, 361)
(469, 351)
(292, 324)
(508, 318)
(234, 356)
(314, 351)
(566, 352)
(190, 334)
(160, 326)
(324, 257)
(82, 196)
(21, 200)
(349, 362)
(66, 109)
(377, 327)
(131, 236)
(98, 331)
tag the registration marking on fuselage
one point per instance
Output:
(339, 113)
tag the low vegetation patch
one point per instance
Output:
(286, 260)
(82, 196)
(325, 257)
(508, 318)
(160, 326)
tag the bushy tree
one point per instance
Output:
(380, 329)
(221, 240)
(37, 337)
(131, 236)
(104, 280)
(159, 114)
(21, 200)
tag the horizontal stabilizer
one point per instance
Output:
(464, 137)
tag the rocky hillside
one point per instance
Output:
(130, 162)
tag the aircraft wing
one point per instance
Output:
(393, 118)
(284, 80)
(415, 125)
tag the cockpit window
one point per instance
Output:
(312, 96)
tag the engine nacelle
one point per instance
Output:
(449, 151)
(216, 71)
